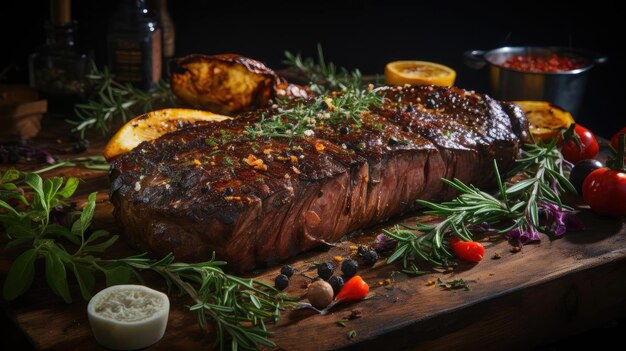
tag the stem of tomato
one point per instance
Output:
(620, 151)
(618, 163)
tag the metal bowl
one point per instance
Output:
(565, 89)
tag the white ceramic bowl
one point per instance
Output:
(128, 317)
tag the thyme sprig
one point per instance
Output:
(515, 210)
(237, 307)
(113, 100)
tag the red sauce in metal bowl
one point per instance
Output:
(554, 63)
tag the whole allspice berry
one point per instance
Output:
(320, 294)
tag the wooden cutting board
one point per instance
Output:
(545, 292)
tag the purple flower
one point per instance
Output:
(559, 221)
(383, 243)
(523, 236)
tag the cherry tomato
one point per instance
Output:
(470, 251)
(589, 146)
(615, 138)
(354, 289)
(604, 191)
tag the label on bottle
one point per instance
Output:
(136, 61)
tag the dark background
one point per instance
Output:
(363, 34)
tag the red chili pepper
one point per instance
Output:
(470, 251)
(354, 289)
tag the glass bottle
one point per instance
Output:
(167, 26)
(58, 70)
(134, 45)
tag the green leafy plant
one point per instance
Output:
(238, 307)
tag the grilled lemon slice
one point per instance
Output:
(546, 120)
(152, 125)
(419, 72)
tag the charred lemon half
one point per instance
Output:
(546, 120)
(152, 125)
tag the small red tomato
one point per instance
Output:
(615, 139)
(604, 191)
(589, 146)
(354, 289)
(470, 251)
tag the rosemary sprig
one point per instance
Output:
(237, 307)
(341, 99)
(89, 162)
(300, 118)
(516, 209)
(113, 100)
(323, 76)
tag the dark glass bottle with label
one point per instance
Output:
(58, 70)
(134, 45)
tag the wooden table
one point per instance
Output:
(545, 292)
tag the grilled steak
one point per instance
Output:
(257, 201)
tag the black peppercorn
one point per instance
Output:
(431, 100)
(344, 130)
(369, 257)
(281, 282)
(362, 250)
(287, 270)
(81, 145)
(349, 268)
(325, 270)
(228, 191)
(336, 282)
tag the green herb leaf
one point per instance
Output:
(57, 276)
(101, 247)
(453, 284)
(86, 280)
(70, 187)
(20, 275)
(118, 275)
(36, 183)
(83, 222)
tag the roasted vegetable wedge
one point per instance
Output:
(225, 83)
(228, 83)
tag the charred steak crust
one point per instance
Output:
(203, 189)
